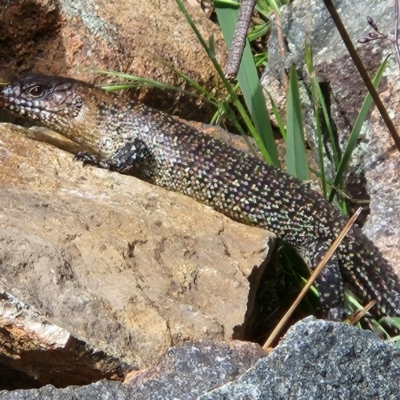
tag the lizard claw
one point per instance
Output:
(86, 159)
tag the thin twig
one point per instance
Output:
(378, 35)
(311, 280)
(396, 30)
(364, 75)
(282, 48)
(239, 38)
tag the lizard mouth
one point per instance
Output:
(20, 107)
(56, 103)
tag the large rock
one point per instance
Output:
(310, 21)
(33, 351)
(73, 37)
(127, 267)
(320, 360)
(194, 368)
(382, 171)
(315, 360)
(375, 166)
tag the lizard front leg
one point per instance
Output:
(134, 155)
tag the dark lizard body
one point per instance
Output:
(129, 137)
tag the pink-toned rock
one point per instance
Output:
(72, 38)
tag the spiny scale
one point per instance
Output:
(130, 137)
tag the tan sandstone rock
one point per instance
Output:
(128, 267)
(35, 352)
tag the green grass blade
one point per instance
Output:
(356, 131)
(226, 3)
(189, 80)
(235, 99)
(267, 7)
(296, 155)
(259, 31)
(279, 120)
(328, 125)
(140, 81)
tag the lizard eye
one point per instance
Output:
(36, 91)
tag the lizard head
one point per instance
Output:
(42, 98)
(64, 105)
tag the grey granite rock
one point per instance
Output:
(375, 165)
(309, 21)
(315, 360)
(320, 360)
(189, 370)
(102, 390)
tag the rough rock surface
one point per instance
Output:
(315, 360)
(33, 351)
(320, 360)
(128, 267)
(184, 372)
(73, 37)
(310, 20)
(375, 167)
(194, 368)
(382, 166)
